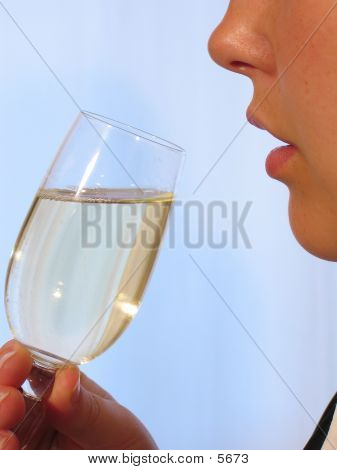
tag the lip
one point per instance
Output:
(251, 118)
(277, 158)
(254, 121)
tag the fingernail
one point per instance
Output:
(3, 396)
(5, 357)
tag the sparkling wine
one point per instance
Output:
(79, 269)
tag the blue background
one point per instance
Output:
(185, 366)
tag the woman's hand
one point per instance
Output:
(79, 413)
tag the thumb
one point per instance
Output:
(93, 421)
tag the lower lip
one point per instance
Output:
(278, 158)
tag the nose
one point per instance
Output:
(240, 43)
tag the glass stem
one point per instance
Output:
(33, 428)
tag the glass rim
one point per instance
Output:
(134, 130)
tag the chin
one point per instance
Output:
(314, 229)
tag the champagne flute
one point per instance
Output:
(84, 255)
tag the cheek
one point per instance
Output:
(309, 93)
(306, 62)
(312, 124)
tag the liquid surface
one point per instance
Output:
(79, 269)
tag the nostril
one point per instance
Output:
(238, 65)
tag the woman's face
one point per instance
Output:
(288, 48)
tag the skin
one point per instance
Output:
(295, 91)
(79, 413)
(259, 39)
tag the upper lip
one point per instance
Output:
(254, 121)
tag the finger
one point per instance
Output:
(91, 421)
(8, 441)
(93, 387)
(62, 442)
(15, 364)
(47, 440)
(12, 407)
(34, 427)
